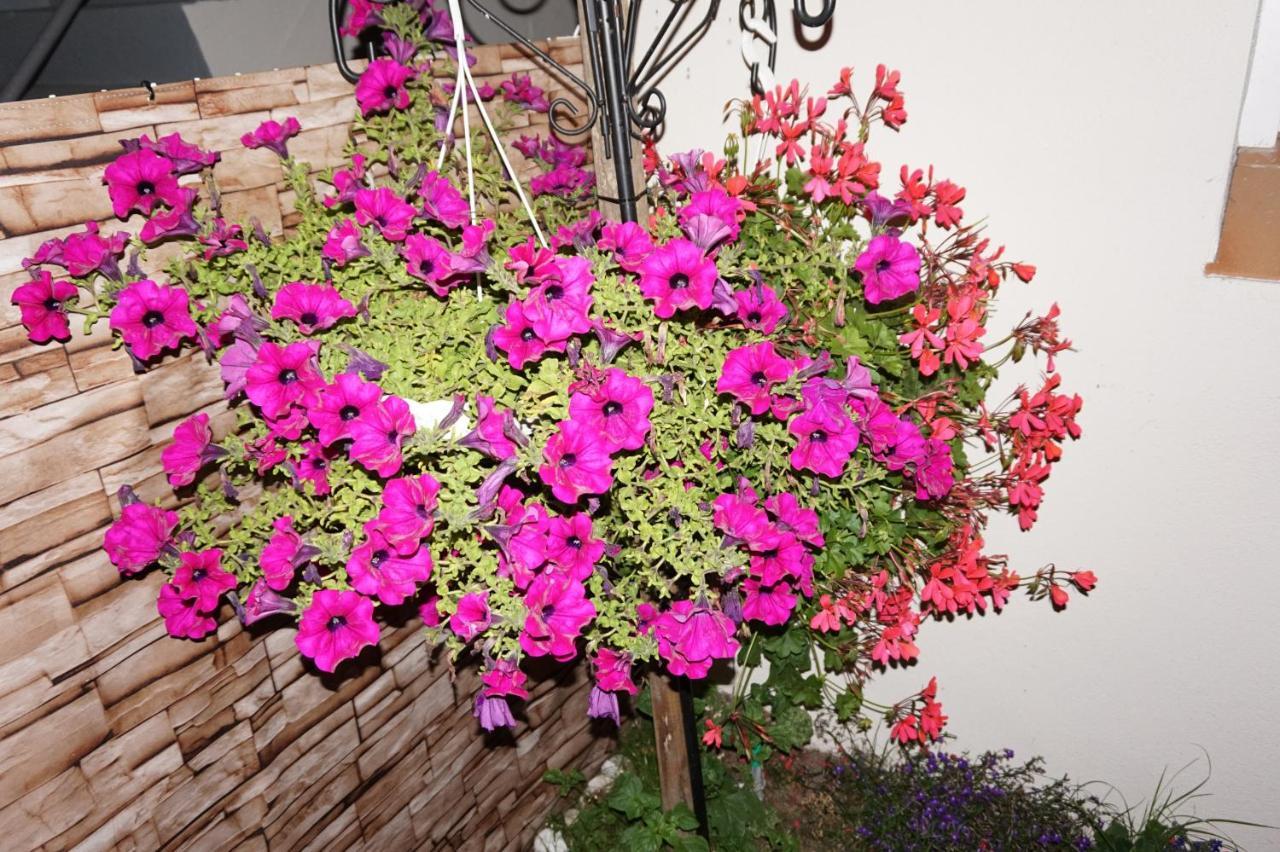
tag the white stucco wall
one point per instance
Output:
(1098, 137)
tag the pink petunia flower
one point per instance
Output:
(180, 221)
(337, 626)
(472, 617)
(933, 473)
(519, 340)
(200, 578)
(83, 253)
(492, 434)
(192, 449)
(386, 211)
(770, 605)
(313, 307)
(503, 677)
(346, 182)
(759, 308)
(557, 308)
(340, 404)
(827, 440)
(234, 366)
(629, 242)
(612, 670)
(382, 87)
(786, 557)
(571, 547)
(41, 307)
(577, 462)
(677, 276)
(223, 239)
(282, 377)
(377, 568)
(262, 602)
(344, 244)
(283, 554)
(519, 88)
(442, 201)
(181, 618)
(691, 637)
(618, 409)
(314, 465)
(139, 536)
(273, 135)
(427, 259)
(408, 507)
(139, 181)
(152, 317)
(889, 267)
(187, 159)
(556, 609)
(711, 218)
(750, 372)
(378, 433)
(794, 518)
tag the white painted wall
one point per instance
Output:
(1098, 137)
(1260, 116)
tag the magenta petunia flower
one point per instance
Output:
(556, 609)
(890, 268)
(346, 182)
(759, 308)
(493, 712)
(691, 637)
(314, 465)
(181, 618)
(750, 372)
(223, 239)
(313, 307)
(140, 180)
(787, 557)
(472, 616)
(180, 221)
(744, 521)
(492, 434)
(711, 218)
(503, 677)
(377, 569)
(234, 366)
(677, 276)
(577, 462)
(262, 602)
(139, 536)
(187, 159)
(382, 87)
(827, 440)
(83, 253)
(41, 307)
(519, 88)
(200, 578)
(192, 449)
(517, 338)
(289, 425)
(337, 626)
(284, 554)
(617, 409)
(612, 671)
(386, 211)
(237, 320)
(908, 446)
(794, 518)
(571, 547)
(530, 261)
(427, 259)
(362, 14)
(282, 377)
(770, 605)
(442, 201)
(340, 404)
(629, 242)
(378, 433)
(557, 308)
(344, 243)
(152, 317)
(273, 135)
(408, 510)
(429, 612)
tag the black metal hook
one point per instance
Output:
(818, 20)
(336, 8)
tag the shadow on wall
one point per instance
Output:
(108, 46)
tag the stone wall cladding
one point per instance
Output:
(113, 735)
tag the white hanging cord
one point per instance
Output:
(466, 81)
(754, 30)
